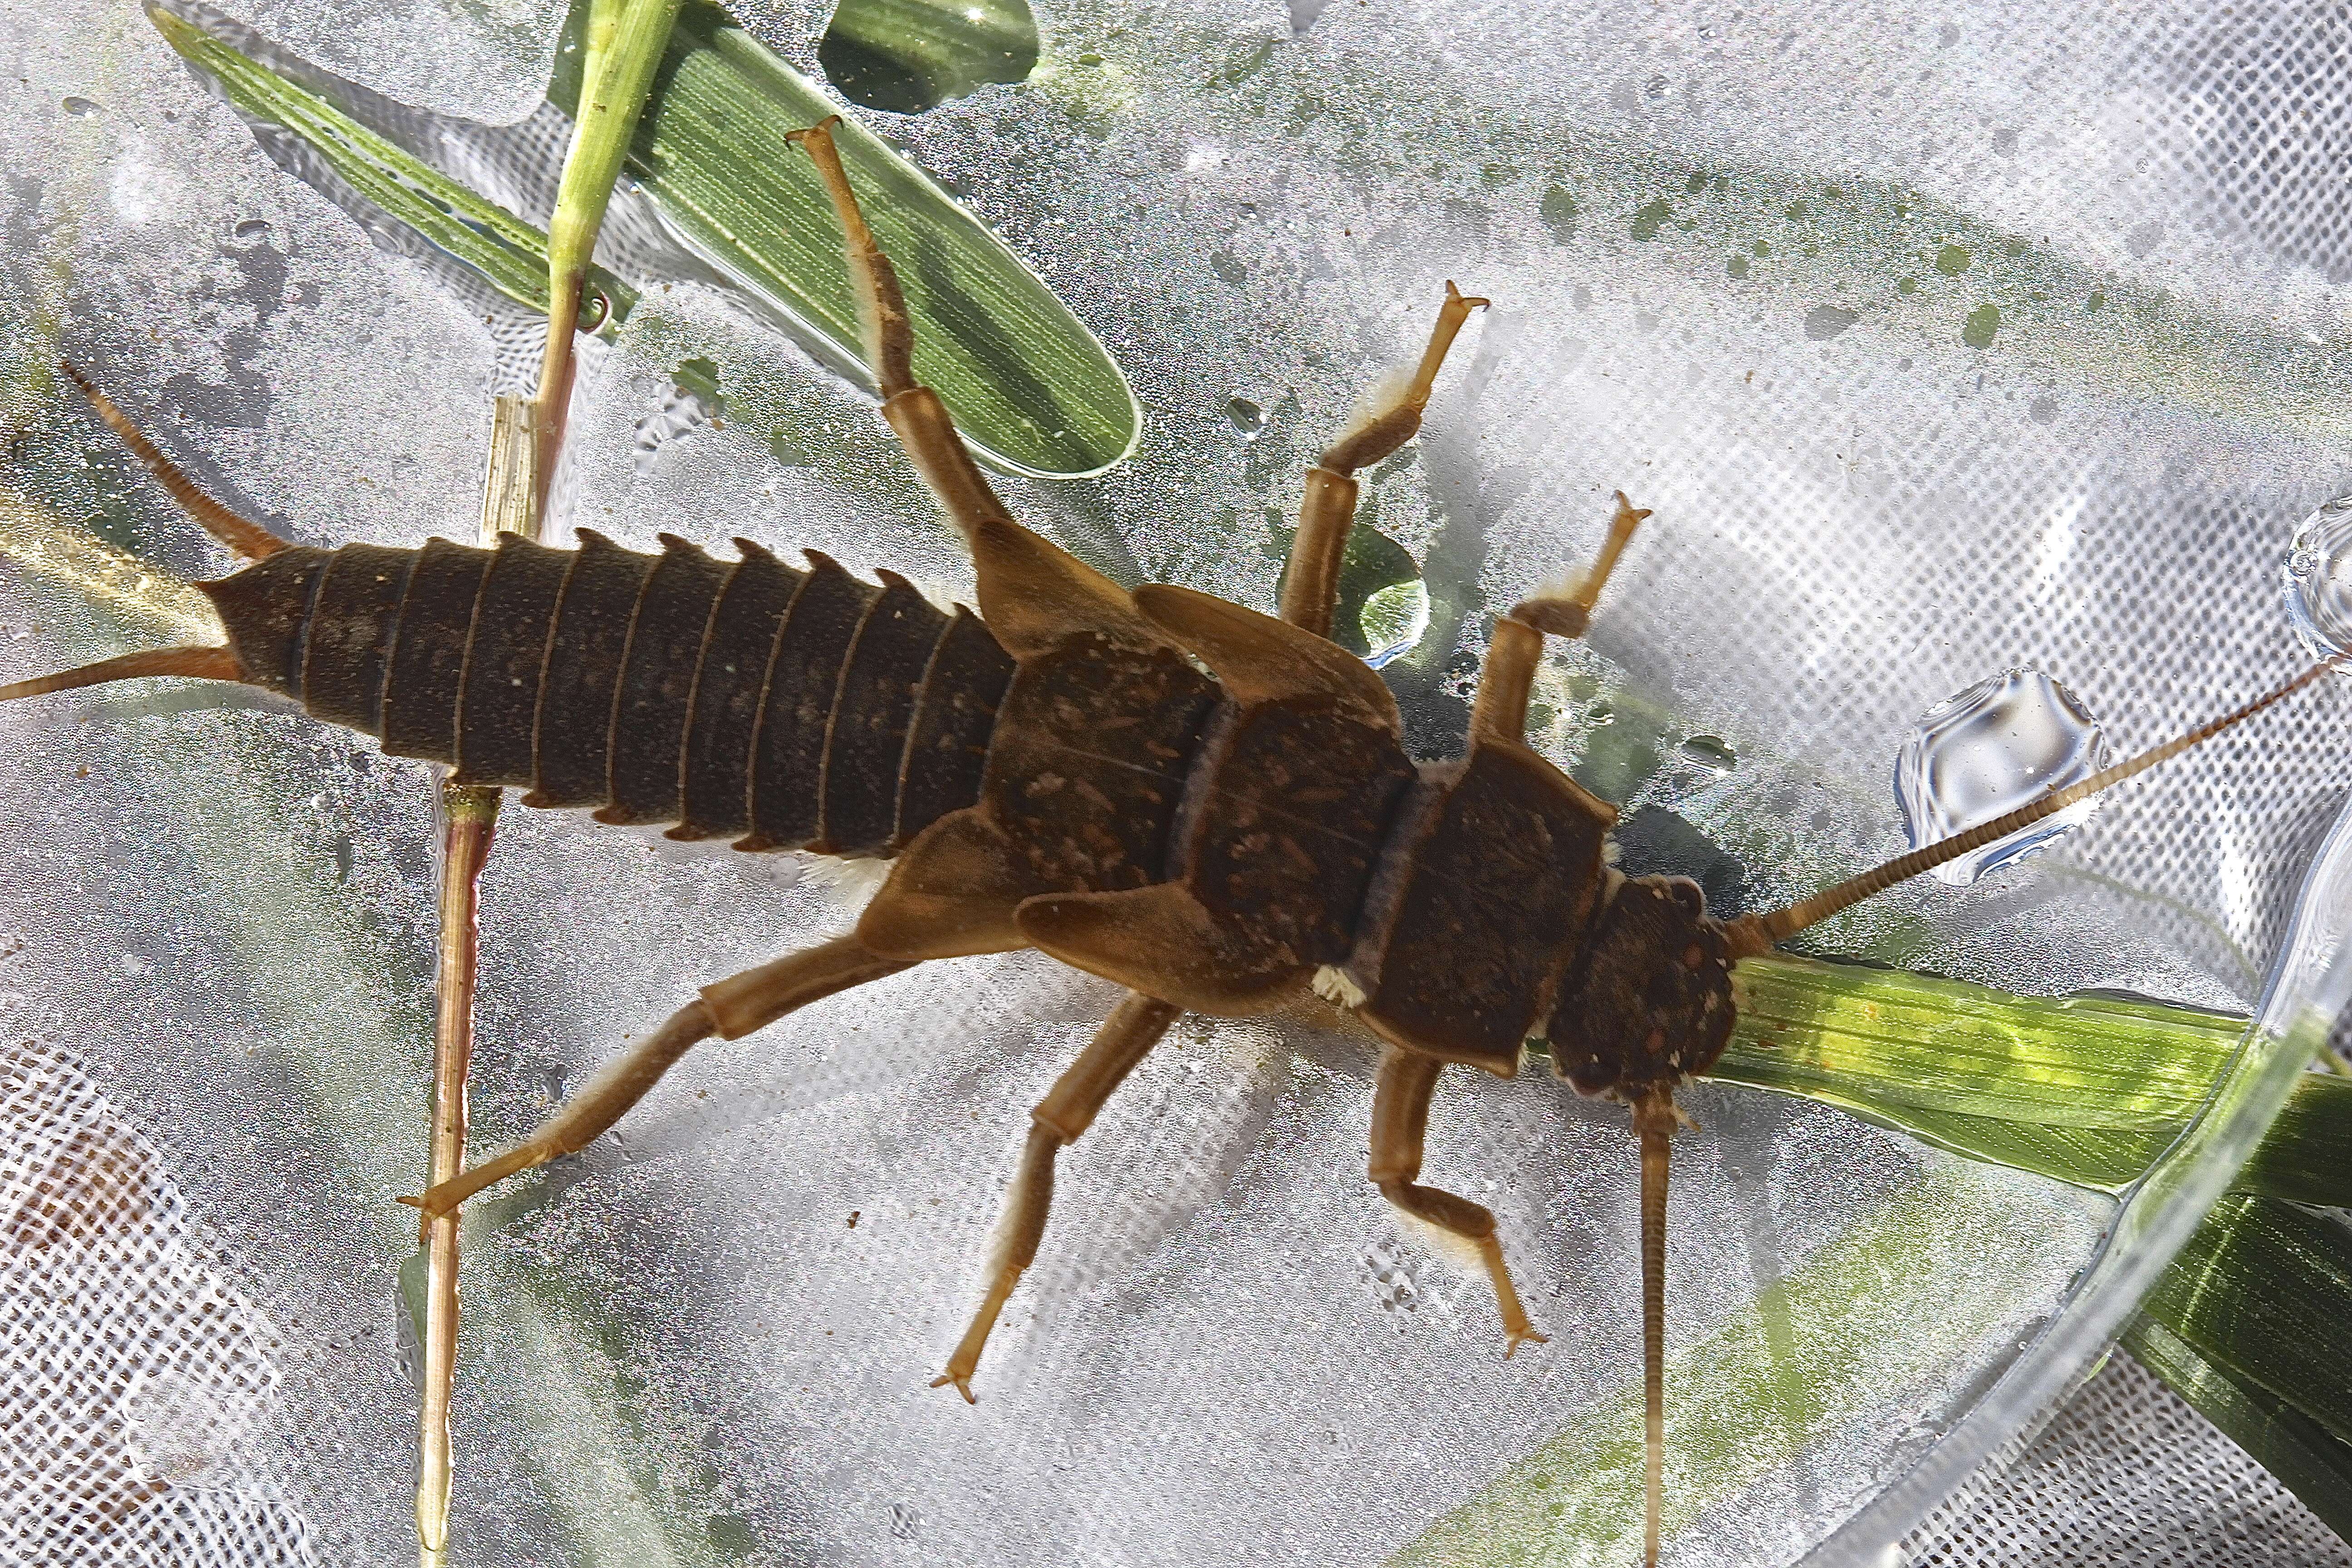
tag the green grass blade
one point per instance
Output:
(2308, 1156)
(2084, 1090)
(505, 251)
(1896, 1046)
(2262, 1292)
(1030, 388)
(2308, 1460)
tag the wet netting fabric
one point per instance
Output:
(1941, 342)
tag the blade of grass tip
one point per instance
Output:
(468, 816)
(1032, 389)
(626, 39)
(389, 191)
(1894, 1044)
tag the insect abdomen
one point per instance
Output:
(804, 709)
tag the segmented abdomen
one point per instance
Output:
(800, 708)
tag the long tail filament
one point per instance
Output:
(195, 663)
(242, 535)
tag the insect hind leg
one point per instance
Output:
(731, 1008)
(1400, 1094)
(1059, 1118)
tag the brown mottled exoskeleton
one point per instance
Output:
(1057, 772)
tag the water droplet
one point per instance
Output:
(557, 1072)
(1393, 620)
(1392, 1283)
(905, 1522)
(251, 229)
(1602, 714)
(81, 108)
(1656, 88)
(2317, 576)
(2003, 743)
(1247, 418)
(1707, 751)
(692, 404)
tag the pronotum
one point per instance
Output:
(1211, 806)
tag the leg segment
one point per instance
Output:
(1500, 713)
(1068, 1109)
(1031, 594)
(730, 1009)
(1329, 511)
(1399, 1120)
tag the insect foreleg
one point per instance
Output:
(730, 1009)
(1400, 1120)
(1328, 510)
(1069, 1108)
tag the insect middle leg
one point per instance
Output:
(1069, 1108)
(1400, 1094)
(1500, 710)
(1328, 510)
(730, 1009)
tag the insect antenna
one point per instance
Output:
(1655, 1119)
(1752, 934)
(241, 534)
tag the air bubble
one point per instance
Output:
(2317, 577)
(1247, 418)
(81, 108)
(2001, 744)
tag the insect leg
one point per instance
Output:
(1399, 1120)
(1031, 593)
(1066, 1112)
(1500, 711)
(1311, 588)
(730, 1009)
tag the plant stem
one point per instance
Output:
(624, 44)
(468, 816)
(623, 47)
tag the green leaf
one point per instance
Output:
(1898, 1046)
(505, 251)
(908, 56)
(2307, 1157)
(1029, 386)
(2261, 1292)
(2308, 1460)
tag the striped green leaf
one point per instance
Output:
(506, 252)
(1028, 383)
